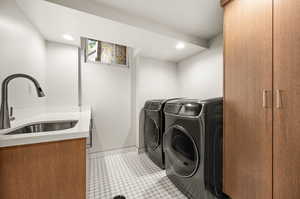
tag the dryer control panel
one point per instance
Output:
(154, 105)
(172, 108)
(190, 109)
(184, 107)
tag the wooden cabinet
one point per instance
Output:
(286, 99)
(248, 125)
(54, 170)
(262, 99)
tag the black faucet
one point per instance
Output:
(4, 113)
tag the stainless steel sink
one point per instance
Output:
(44, 127)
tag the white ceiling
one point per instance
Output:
(122, 16)
(201, 18)
(54, 20)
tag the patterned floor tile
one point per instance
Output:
(130, 174)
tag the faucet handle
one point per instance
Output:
(11, 114)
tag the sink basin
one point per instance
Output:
(44, 127)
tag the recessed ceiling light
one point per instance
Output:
(68, 37)
(180, 46)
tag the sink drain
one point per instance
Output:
(120, 197)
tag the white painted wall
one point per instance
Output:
(201, 76)
(134, 119)
(117, 95)
(107, 89)
(62, 75)
(22, 50)
(154, 79)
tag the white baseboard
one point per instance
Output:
(94, 154)
(141, 150)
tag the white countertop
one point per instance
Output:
(81, 130)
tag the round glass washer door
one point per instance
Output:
(181, 151)
(152, 136)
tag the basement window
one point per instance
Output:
(105, 52)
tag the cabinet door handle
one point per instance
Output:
(265, 100)
(278, 99)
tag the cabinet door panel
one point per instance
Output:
(53, 170)
(287, 116)
(247, 125)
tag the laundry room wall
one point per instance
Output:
(155, 79)
(61, 75)
(116, 94)
(201, 76)
(107, 89)
(22, 50)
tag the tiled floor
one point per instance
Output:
(131, 175)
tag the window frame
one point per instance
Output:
(86, 60)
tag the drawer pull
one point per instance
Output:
(265, 103)
(278, 99)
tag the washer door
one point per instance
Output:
(181, 151)
(152, 136)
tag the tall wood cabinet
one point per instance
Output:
(262, 99)
(286, 119)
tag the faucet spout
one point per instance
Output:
(4, 113)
